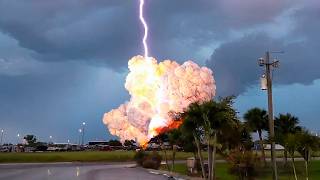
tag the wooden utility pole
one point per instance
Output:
(268, 65)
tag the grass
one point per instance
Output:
(285, 173)
(82, 156)
(88, 156)
(221, 170)
(280, 154)
(93, 156)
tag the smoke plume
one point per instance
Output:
(156, 91)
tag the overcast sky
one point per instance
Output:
(64, 62)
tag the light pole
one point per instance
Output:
(80, 132)
(82, 139)
(18, 136)
(2, 131)
(50, 139)
(268, 65)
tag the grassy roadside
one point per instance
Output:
(263, 173)
(221, 170)
(83, 156)
(92, 156)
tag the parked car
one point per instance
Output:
(4, 149)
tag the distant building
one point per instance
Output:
(94, 143)
(268, 147)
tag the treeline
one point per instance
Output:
(214, 126)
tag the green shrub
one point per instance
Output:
(243, 163)
(139, 157)
(150, 164)
(148, 160)
(152, 161)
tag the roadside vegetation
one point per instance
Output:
(223, 171)
(213, 128)
(81, 156)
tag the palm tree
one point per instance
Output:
(175, 138)
(208, 120)
(161, 138)
(256, 120)
(192, 125)
(291, 144)
(235, 136)
(217, 117)
(307, 144)
(285, 124)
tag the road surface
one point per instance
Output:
(75, 171)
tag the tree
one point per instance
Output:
(192, 125)
(129, 143)
(307, 143)
(31, 139)
(285, 124)
(160, 139)
(257, 121)
(291, 144)
(235, 135)
(175, 139)
(114, 143)
(208, 120)
(219, 118)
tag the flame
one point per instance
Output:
(162, 129)
(157, 89)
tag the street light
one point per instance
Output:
(80, 132)
(82, 140)
(266, 84)
(18, 136)
(50, 139)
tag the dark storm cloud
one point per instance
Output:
(179, 29)
(108, 32)
(100, 31)
(235, 62)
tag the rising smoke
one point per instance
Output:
(156, 90)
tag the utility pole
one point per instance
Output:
(268, 65)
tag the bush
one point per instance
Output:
(150, 164)
(139, 157)
(243, 163)
(152, 161)
(147, 160)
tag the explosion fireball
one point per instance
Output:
(158, 91)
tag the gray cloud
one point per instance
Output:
(100, 32)
(235, 62)
(108, 32)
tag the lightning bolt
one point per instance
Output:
(145, 26)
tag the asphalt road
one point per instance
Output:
(76, 171)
